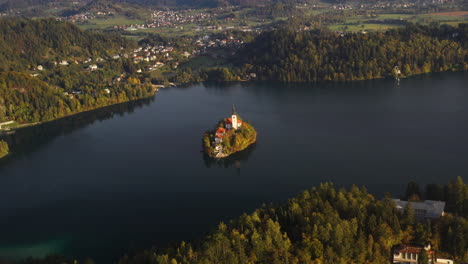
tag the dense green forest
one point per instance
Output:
(29, 100)
(324, 225)
(28, 43)
(317, 55)
(3, 149)
(30, 95)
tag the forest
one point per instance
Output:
(327, 225)
(30, 95)
(321, 55)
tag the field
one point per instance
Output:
(103, 23)
(452, 14)
(379, 22)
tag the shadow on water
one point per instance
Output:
(235, 160)
(25, 140)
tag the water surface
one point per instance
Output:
(113, 181)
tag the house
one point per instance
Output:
(40, 68)
(93, 67)
(406, 254)
(218, 139)
(423, 210)
(63, 63)
(220, 132)
(233, 122)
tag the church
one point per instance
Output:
(233, 122)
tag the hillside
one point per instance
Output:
(31, 42)
(317, 55)
(45, 70)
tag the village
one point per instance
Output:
(147, 58)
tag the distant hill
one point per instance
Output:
(31, 42)
(110, 4)
(6, 5)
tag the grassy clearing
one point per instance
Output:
(361, 27)
(102, 23)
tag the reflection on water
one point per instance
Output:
(25, 140)
(130, 183)
(235, 160)
(37, 250)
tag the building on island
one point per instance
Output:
(405, 254)
(423, 210)
(219, 135)
(233, 122)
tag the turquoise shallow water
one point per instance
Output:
(120, 179)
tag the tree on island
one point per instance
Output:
(3, 148)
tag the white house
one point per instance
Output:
(93, 67)
(40, 68)
(423, 210)
(405, 254)
(63, 63)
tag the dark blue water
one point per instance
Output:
(111, 182)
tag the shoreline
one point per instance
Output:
(157, 87)
(224, 155)
(12, 130)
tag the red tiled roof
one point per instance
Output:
(410, 250)
(220, 130)
(229, 121)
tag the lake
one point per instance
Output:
(117, 180)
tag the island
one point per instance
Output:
(231, 135)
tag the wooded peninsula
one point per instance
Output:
(326, 225)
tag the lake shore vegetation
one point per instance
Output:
(4, 150)
(231, 140)
(325, 225)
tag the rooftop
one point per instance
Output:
(426, 209)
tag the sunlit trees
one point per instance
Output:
(3, 148)
(317, 55)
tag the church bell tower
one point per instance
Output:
(234, 118)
